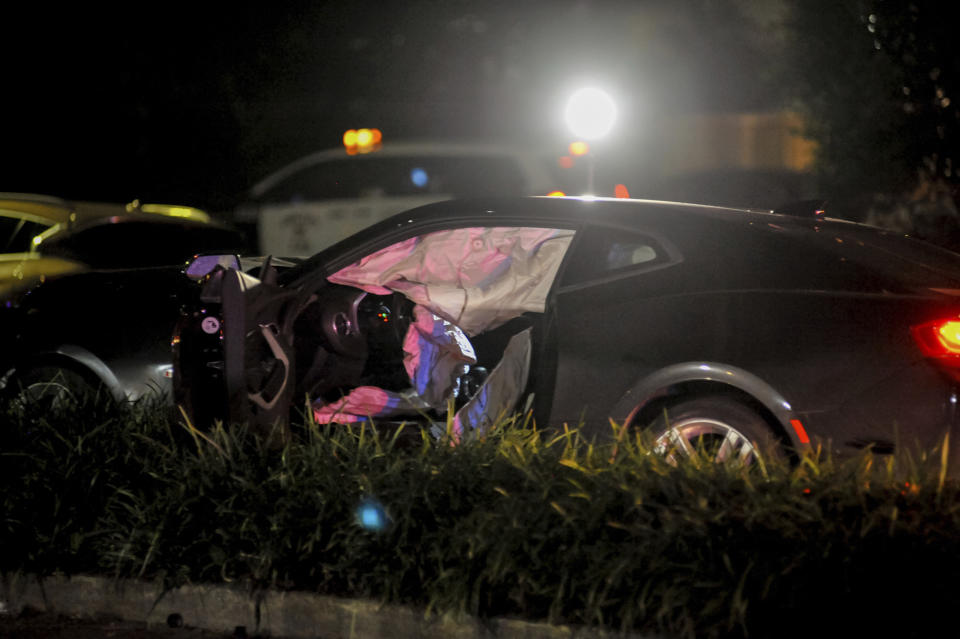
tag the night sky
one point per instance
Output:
(193, 103)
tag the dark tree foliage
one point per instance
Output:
(877, 82)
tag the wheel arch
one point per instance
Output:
(75, 358)
(650, 395)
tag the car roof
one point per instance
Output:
(574, 209)
(753, 237)
(581, 208)
(578, 210)
(54, 210)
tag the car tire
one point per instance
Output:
(721, 428)
(51, 386)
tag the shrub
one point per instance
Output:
(522, 522)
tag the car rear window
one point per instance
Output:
(605, 252)
(142, 243)
(454, 176)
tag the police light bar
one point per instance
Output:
(361, 140)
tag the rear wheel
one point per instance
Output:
(51, 387)
(717, 427)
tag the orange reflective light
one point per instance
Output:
(578, 148)
(800, 431)
(621, 191)
(350, 138)
(377, 136)
(556, 194)
(949, 335)
(565, 162)
(364, 137)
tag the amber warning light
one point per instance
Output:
(362, 140)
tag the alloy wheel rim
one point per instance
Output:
(58, 394)
(684, 437)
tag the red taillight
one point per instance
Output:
(940, 339)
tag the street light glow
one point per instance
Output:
(590, 113)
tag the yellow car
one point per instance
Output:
(42, 236)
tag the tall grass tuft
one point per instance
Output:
(544, 525)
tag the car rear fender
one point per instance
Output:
(649, 392)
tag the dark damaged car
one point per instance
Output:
(698, 322)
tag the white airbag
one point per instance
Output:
(476, 278)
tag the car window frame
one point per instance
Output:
(319, 266)
(671, 257)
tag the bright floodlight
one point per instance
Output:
(590, 113)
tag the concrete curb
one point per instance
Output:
(222, 608)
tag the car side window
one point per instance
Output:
(16, 234)
(606, 252)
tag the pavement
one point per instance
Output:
(33, 624)
(89, 607)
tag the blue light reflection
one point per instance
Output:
(419, 177)
(371, 515)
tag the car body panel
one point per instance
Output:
(115, 327)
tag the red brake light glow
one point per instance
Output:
(949, 335)
(940, 339)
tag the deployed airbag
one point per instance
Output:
(475, 278)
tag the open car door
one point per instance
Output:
(259, 357)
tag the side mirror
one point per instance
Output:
(203, 265)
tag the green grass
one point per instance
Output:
(540, 525)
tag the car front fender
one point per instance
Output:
(78, 359)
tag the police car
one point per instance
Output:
(329, 195)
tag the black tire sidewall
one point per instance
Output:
(73, 382)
